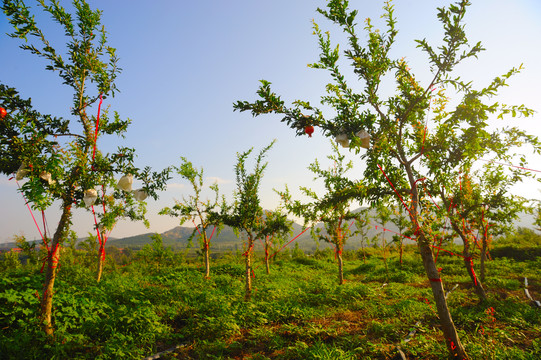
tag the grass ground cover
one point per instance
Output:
(297, 312)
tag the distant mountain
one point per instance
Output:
(178, 232)
(177, 238)
(226, 240)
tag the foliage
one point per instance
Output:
(33, 139)
(401, 221)
(403, 151)
(538, 217)
(59, 157)
(246, 214)
(139, 310)
(156, 252)
(522, 244)
(297, 252)
(362, 223)
(28, 249)
(399, 136)
(520, 238)
(383, 215)
(476, 210)
(10, 260)
(330, 208)
(194, 208)
(277, 228)
(89, 244)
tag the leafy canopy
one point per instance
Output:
(60, 157)
(413, 132)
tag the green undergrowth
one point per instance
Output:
(298, 311)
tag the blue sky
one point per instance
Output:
(185, 63)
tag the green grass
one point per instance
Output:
(296, 312)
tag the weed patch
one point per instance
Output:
(298, 311)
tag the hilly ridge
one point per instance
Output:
(177, 237)
(226, 240)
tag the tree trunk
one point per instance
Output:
(53, 257)
(248, 275)
(401, 251)
(456, 349)
(267, 245)
(385, 257)
(47, 296)
(482, 265)
(454, 345)
(468, 263)
(340, 267)
(207, 261)
(101, 260)
(483, 258)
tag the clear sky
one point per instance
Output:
(186, 62)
